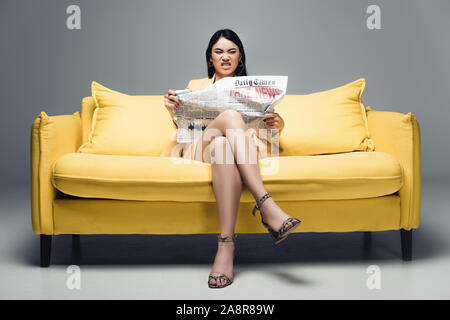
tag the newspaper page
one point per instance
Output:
(252, 96)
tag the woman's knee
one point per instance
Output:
(221, 151)
(231, 116)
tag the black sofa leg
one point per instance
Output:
(46, 248)
(76, 249)
(367, 239)
(406, 238)
(367, 244)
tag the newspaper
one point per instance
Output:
(252, 96)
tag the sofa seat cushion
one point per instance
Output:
(352, 175)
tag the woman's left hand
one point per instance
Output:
(274, 121)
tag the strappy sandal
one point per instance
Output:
(281, 234)
(215, 275)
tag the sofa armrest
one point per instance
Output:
(51, 137)
(399, 135)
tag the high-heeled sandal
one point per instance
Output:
(281, 234)
(216, 275)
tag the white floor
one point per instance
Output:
(305, 266)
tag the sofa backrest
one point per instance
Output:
(294, 140)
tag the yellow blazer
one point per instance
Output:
(200, 84)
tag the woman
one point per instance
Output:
(225, 57)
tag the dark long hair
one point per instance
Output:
(232, 36)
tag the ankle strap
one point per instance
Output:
(227, 238)
(260, 202)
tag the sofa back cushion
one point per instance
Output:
(87, 111)
(325, 122)
(331, 121)
(126, 124)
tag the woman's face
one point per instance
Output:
(225, 57)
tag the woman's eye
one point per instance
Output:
(219, 52)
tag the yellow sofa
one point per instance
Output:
(79, 193)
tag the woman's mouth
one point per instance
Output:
(226, 65)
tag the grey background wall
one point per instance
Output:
(147, 47)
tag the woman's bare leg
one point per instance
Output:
(249, 170)
(227, 185)
(235, 165)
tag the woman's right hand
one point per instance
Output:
(171, 101)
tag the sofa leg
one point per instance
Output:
(76, 249)
(367, 244)
(406, 239)
(46, 248)
(367, 239)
